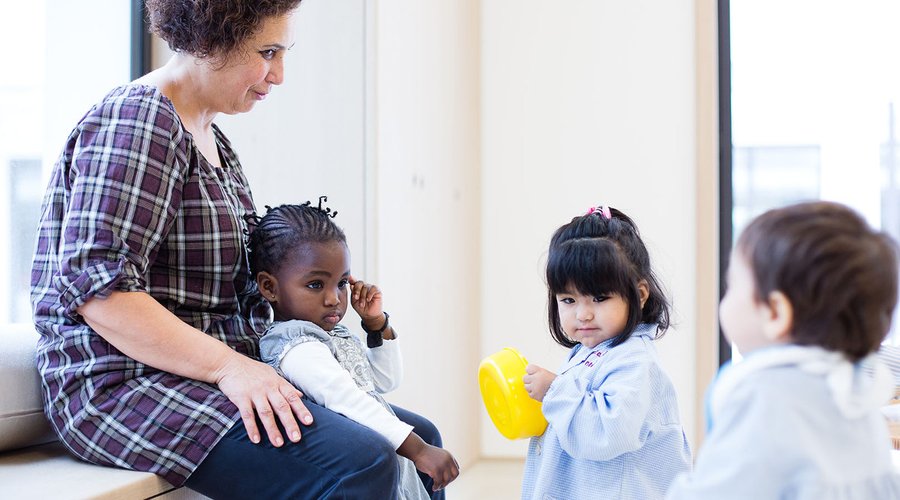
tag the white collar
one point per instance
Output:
(855, 392)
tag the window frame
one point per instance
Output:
(726, 188)
(141, 42)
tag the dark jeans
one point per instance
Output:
(336, 458)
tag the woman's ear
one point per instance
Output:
(643, 292)
(778, 317)
(268, 286)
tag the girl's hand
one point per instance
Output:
(366, 301)
(438, 463)
(257, 389)
(537, 381)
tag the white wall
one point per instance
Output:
(584, 102)
(482, 127)
(380, 110)
(429, 205)
(308, 138)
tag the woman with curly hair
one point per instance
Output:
(142, 295)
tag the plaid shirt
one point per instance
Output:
(133, 206)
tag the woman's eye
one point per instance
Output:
(315, 285)
(566, 300)
(268, 54)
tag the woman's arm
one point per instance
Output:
(140, 327)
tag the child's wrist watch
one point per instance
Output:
(373, 337)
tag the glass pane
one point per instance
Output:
(59, 58)
(814, 90)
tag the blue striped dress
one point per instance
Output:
(614, 428)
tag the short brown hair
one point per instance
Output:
(839, 274)
(207, 28)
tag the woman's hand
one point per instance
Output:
(366, 301)
(257, 389)
(140, 327)
(537, 381)
(438, 463)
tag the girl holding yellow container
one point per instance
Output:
(613, 428)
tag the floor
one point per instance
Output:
(492, 479)
(501, 480)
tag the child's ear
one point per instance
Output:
(643, 292)
(779, 318)
(268, 286)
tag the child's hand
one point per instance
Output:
(439, 464)
(537, 381)
(366, 301)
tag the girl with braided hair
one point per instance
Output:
(301, 263)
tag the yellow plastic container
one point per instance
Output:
(510, 407)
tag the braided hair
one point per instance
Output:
(283, 228)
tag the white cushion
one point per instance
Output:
(49, 471)
(22, 420)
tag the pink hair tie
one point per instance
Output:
(603, 209)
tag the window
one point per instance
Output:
(59, 57)
(809, 96)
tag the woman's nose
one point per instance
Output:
(276, 72)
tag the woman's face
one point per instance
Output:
(237, 81)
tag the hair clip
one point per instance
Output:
(603, 209)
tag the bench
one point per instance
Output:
(33, 463)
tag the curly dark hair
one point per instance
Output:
(208, 28)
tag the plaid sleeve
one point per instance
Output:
(125, 186)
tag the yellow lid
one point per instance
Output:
(510, 407)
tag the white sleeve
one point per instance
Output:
(311, 367)
(387, 365)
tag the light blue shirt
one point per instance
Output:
(614, 428)
(788, 422)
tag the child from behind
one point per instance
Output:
(301, 262)
(811, 292)
(614, 428)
